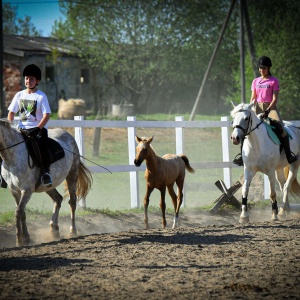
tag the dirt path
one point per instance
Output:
(209, 257)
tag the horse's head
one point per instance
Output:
(142, 149)
(243, 116)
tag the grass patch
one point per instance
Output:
(7, 218)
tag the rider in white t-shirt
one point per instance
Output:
(34, 114)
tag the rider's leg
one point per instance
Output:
(3, 183)
(46, 179)
(284, 139)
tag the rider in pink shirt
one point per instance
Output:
(265, 90)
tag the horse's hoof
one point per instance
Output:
(72, 231)
(274, 218)
(244, 220)
(55, 231)
(175, 223)
(23, 241)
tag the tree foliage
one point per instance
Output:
(18, 26)
(150, 45)
(276, 34)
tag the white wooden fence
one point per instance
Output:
(179, 124)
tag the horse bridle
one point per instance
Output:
(246, 130)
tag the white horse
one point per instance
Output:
(261, 154)
(21, 178)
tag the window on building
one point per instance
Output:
(85, 76)
(50, 74)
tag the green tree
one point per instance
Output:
(18, 26)
(143, 45)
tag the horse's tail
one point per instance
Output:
(187, 163)
(295, 186)
(84, 182)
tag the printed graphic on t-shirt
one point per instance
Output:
(27, 110)
(263, 86)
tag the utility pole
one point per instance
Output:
(244, 18)
(192, 116)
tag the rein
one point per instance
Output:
(12, 146)
(246, 132)
(63, 148)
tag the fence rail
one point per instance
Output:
(179, 124)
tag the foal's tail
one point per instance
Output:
(295, 187)
(187, 163)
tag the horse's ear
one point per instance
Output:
(233, 104)
(137, 139)
(251, 104)
(150, 139)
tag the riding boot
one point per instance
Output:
(3, 183)
(290, 156)
(46, 179)
(238, 160)
(42, 140)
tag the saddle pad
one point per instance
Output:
(56, 150)
(273, 136)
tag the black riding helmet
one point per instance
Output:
(32, 70)
(264, 61)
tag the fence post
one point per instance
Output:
(180, 147)
(134, 176)
(226, 152)
(79, 138)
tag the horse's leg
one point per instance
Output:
(163, 205)
(273, 196)
(72, 179)
(281, 180)
(57, 199)
(146, 204)
(293, 170)
(248, 175)
(175, 204)
(22, 234)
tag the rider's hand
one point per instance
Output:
(31, 131)
(265, 114)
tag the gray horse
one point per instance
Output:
(21, 176)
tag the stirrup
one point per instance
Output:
(292, 158)
(46, 180)
(238, 160)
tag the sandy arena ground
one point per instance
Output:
(208, 257)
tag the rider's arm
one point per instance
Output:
(10, 116)
(253, 97)
(274, 100)
(44, 120)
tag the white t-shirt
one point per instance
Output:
(31, 108)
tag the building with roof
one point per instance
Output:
(64, 75)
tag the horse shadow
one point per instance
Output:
(37, 263)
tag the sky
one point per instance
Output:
(42, 13)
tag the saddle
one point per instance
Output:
(55, 150)
(273, 132)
